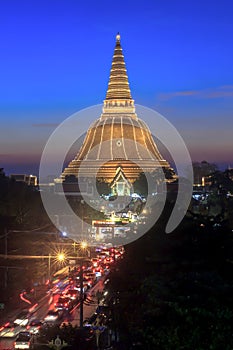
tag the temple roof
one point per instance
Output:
(120, 176)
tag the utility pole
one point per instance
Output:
(81, 295)
(49, 267)
(6, 246)
(74, 245)
(6, 252)
(82, 206)
(6, 269)
(6, 277)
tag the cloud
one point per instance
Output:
(45, 125)
(169, 95)
(219, 94)
(211, 93)
(226, 87)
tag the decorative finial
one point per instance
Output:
(118, 37)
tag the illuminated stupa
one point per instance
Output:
(118, 139)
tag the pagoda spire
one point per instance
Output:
(118, 92)
(118, 86)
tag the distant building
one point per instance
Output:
(72, 187)
(30, 180)
(230, 173)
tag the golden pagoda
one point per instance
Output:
(118, 138)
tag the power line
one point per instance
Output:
(14, 256)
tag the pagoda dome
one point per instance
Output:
(119, 137)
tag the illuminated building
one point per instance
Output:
(118, 139)
(30, 180)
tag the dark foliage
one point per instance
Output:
(175, 291)
(20, 205)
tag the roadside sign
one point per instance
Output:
(2, 306)
(57, 343)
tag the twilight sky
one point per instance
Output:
(55, 59)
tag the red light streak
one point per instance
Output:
(24, 299)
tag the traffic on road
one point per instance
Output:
(62, 302)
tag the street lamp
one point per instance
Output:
(60, 257)
(84, 246)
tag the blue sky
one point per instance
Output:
(56, 57)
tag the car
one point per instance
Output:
(8, 330)
(98, 271)
(63, 303)
(23, 340)
(34, 326)
(85, 286)
(87, 282)
(22, 319)
(102, 256)
(91, 275)
(72, 294)
(95, 262)
(108, 260)
(52, 316)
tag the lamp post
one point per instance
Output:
(49, 266)
(74, 245)
(84, 246)
(5, 236)
(6, 251)
(81, 295)
(60, 257)
(82, 207)
(6, 248)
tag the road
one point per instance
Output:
(63, 283)
(73, 317)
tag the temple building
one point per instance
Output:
(120, 185)
(118, 145)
